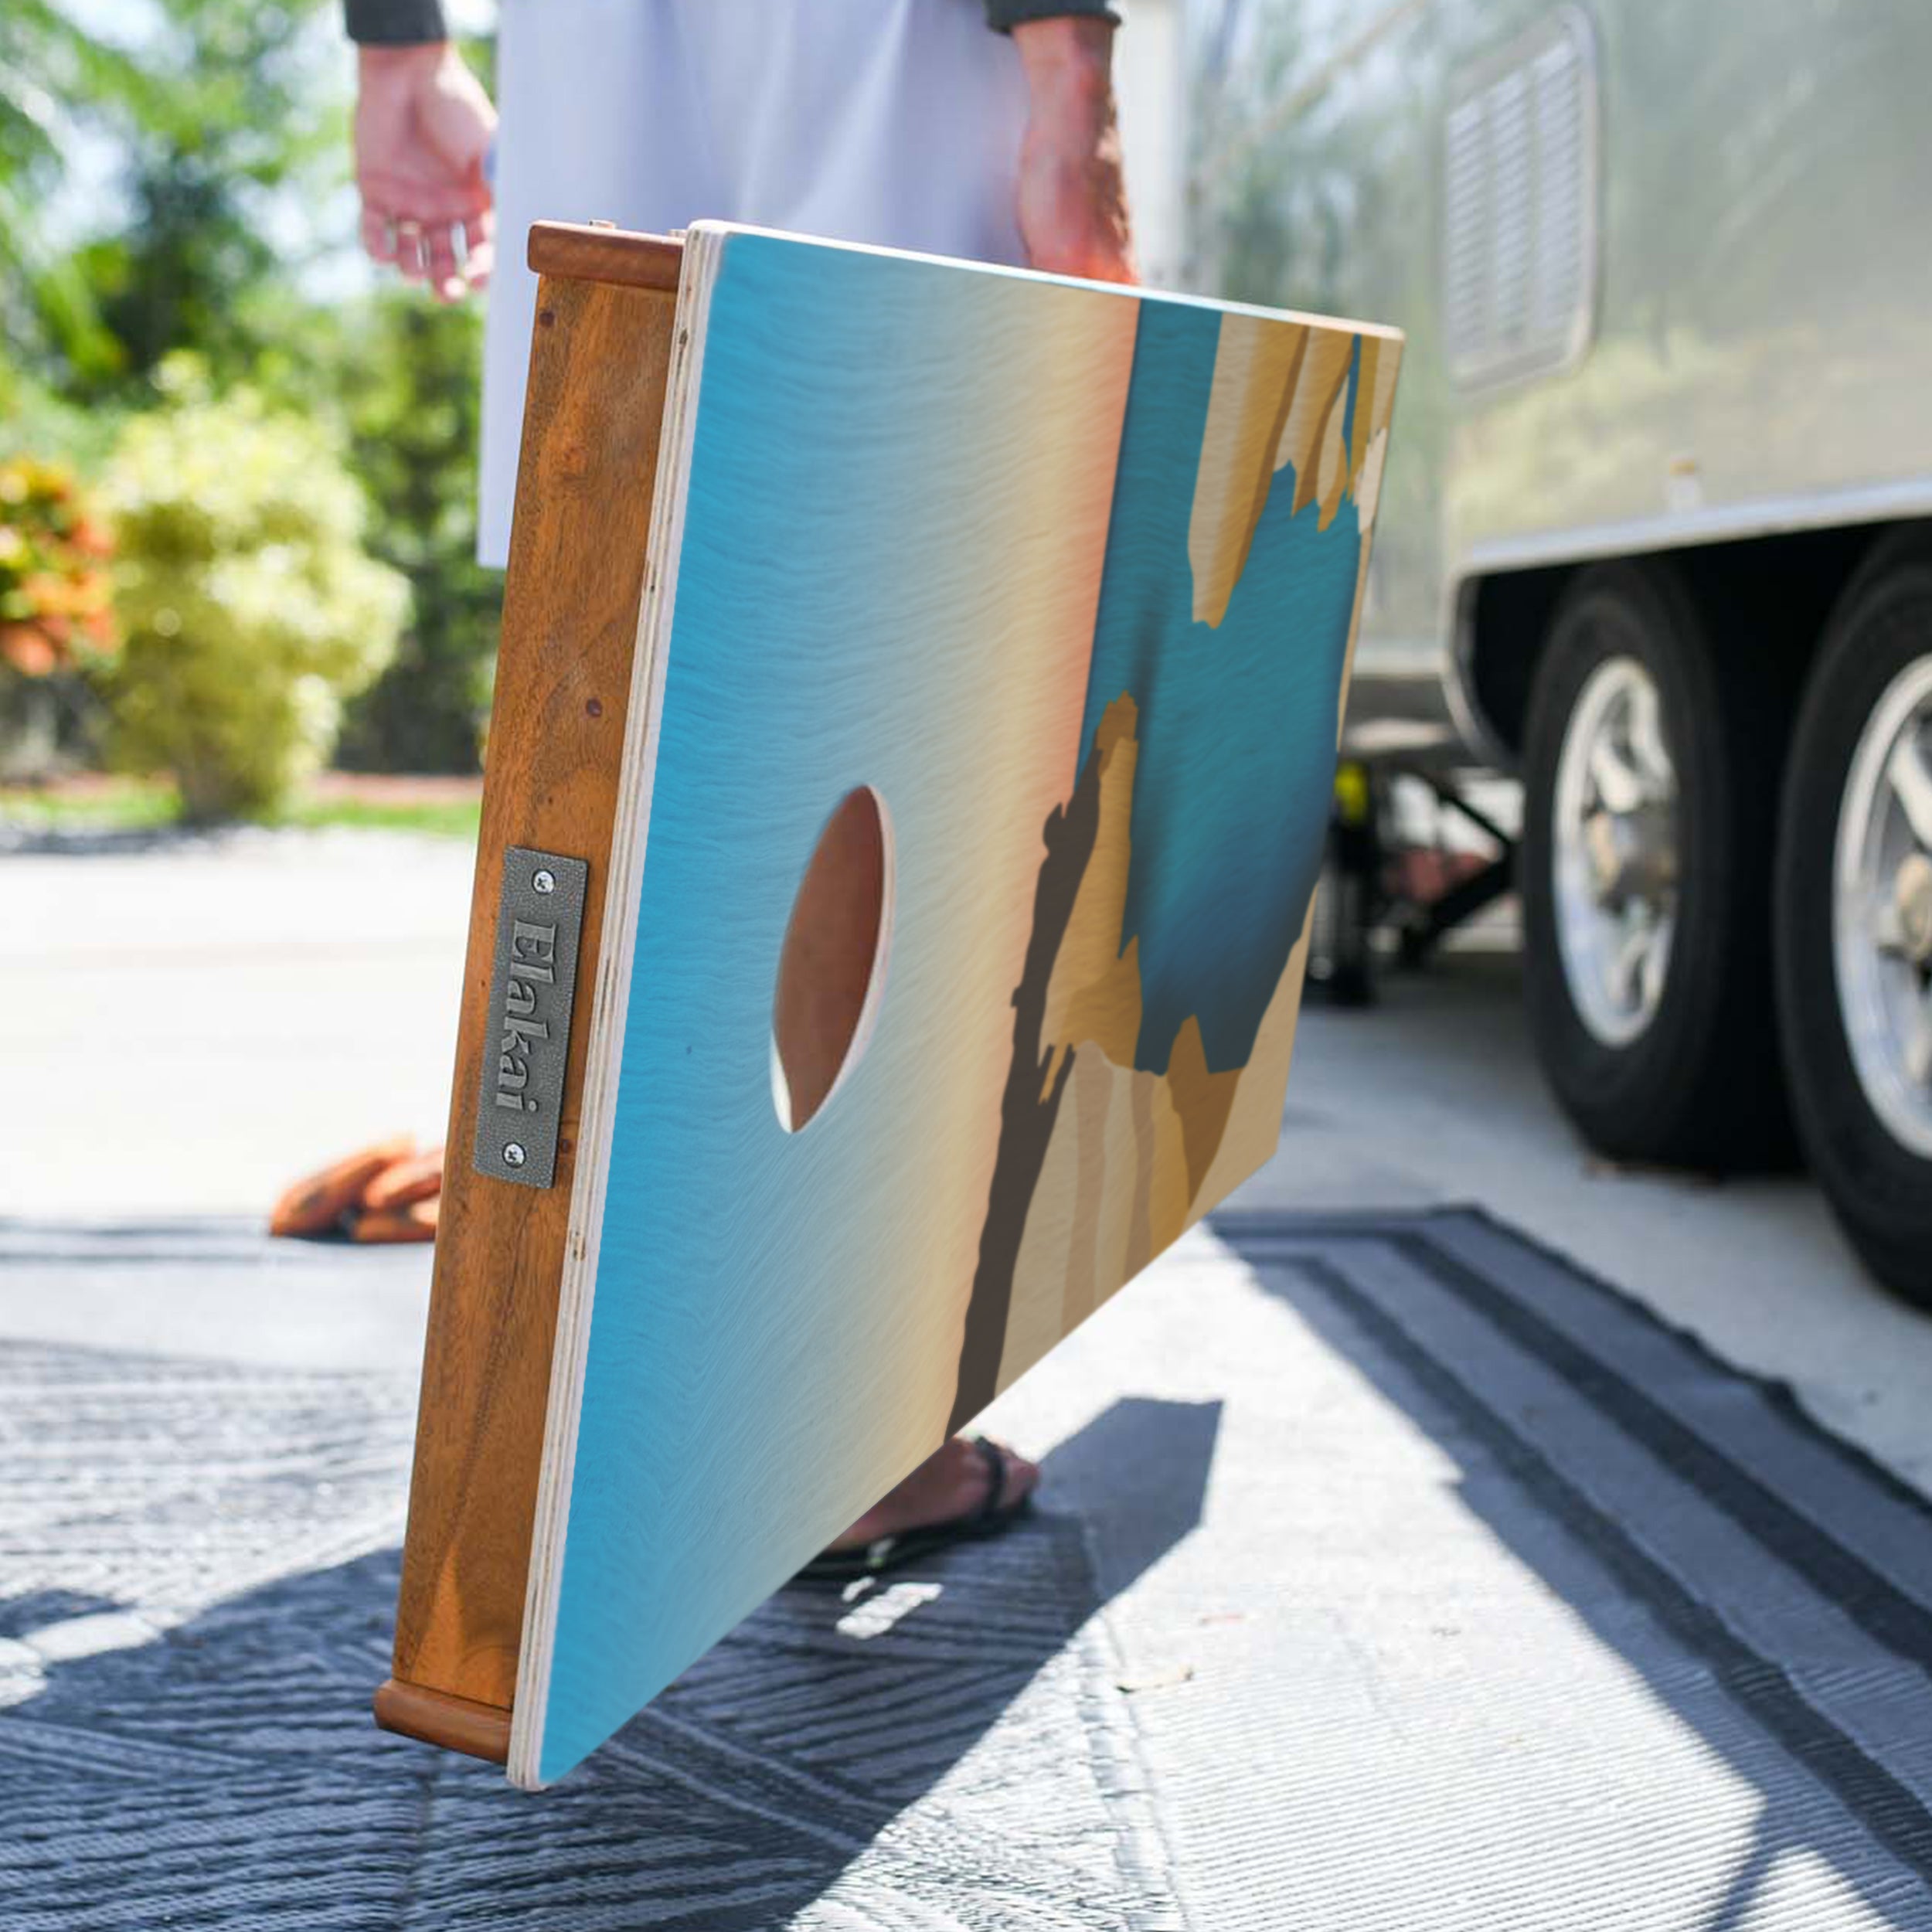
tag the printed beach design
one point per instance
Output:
(1157, 1015)
(1069, 577)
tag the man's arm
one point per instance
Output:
(1072, 192)
(423, 125)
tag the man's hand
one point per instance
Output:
(1072, 197)
(422, 125)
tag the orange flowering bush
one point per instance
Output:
(56, 609)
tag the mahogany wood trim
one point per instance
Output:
(600, 354)
(482, 1730)
(595, 252)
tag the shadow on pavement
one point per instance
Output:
(1822, 1727)
(229, 1771)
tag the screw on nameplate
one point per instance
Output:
(519, 1096)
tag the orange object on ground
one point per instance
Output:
(415, 1223)
(416, 1179)
(314, 1205)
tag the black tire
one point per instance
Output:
(1880, 1189)
(1701, 1085)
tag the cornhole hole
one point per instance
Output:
(912, 750)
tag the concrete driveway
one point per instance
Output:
(188, 1025)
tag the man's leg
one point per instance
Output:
(950, 1486)
(820, 988)
(596, 127)
(897, 122)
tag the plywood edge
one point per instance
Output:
(609, 1006)
(592, 252)
(436, 1717)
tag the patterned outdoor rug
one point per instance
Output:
(1457, 1593)
(198, 1569)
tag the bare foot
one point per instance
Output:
(949, 1483)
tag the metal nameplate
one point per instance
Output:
(519, 1099)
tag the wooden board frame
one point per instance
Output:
(620, 325)
(600, 354)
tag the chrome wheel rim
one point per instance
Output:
(1615, 846)
(1882, 908)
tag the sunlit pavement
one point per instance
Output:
(189, 1023)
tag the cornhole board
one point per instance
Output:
(910, 762)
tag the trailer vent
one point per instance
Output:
(1519, 176)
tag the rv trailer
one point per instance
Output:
(1656, 532)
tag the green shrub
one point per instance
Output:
(248, 607)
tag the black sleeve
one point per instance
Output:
(394, 23)
(1004, 15)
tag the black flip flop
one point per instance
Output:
(888, 1552)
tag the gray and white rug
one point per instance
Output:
(198, 1569)
(1400, 1577)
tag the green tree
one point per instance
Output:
(229, 119)
(245, 125)
(53, 78)
(411, 394)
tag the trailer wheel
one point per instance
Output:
(1651, 792)
(1854, 918)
